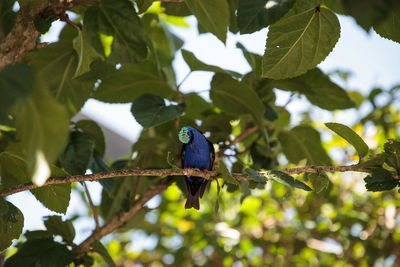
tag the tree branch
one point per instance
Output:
(24, 35)
(239, 138)
(120, 219)
(170, 172)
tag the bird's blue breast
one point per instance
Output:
(197, 152)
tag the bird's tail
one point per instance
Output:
(193, 201)
(196, 187)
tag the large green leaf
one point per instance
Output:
(380, 180)
(318, 89)
(235, 97)
(195, 106)
(40, 252)
(117, 19)
(56, 226)
(14, 171)
(350, 136)
(253, 15)
(286, 179)
(93, 129)
(86, 54)
(55, 66)
(150, 110)
(13, 87)
(11, 223)
(42, 126)
(303, 142)
(212, 15)
(390, 27)
(131, 81)
(300, 40)
(54, 197)
(77, 154)
(370, 13)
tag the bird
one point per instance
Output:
(196, 152)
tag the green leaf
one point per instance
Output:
(11, 223)
(13, 88)
(131, 81)
(54, 197)
(254, 176)
(77, 154)
(196, 64)
(318, 89)
(195, 106)
(392, 151)
(212, 15)
(286, 179)
(14, 171)
(226, 175)
(143, 5)
(253, 59)
(150, 110)
(86, 54)
(93, 129)
(300, 40)
(374, 161)
(319, 182)
(234, 97)
(350, 136)
(99, 248)
(40, 252)
(303, 142)
(390, 27)
(42, 126)
(54, 67)
(380, 180)
(128, 42)
(368, 13)
(56, 226)
(253, 15)
(178, 9)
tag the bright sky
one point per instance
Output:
(374, 61)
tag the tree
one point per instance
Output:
(256, 212)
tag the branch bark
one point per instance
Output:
(120, 219)
(24, 35)
(170, 172)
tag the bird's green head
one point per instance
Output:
(184, 135)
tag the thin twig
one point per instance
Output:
(92, 206)
(120, 219)
(171, 172)
(239, 138)
(64, 17)
(184, 79)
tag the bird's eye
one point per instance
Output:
(184, 135)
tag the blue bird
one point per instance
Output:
(197, 152)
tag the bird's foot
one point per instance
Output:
(186, 172)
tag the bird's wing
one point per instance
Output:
(212, 154)
(182, 155)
